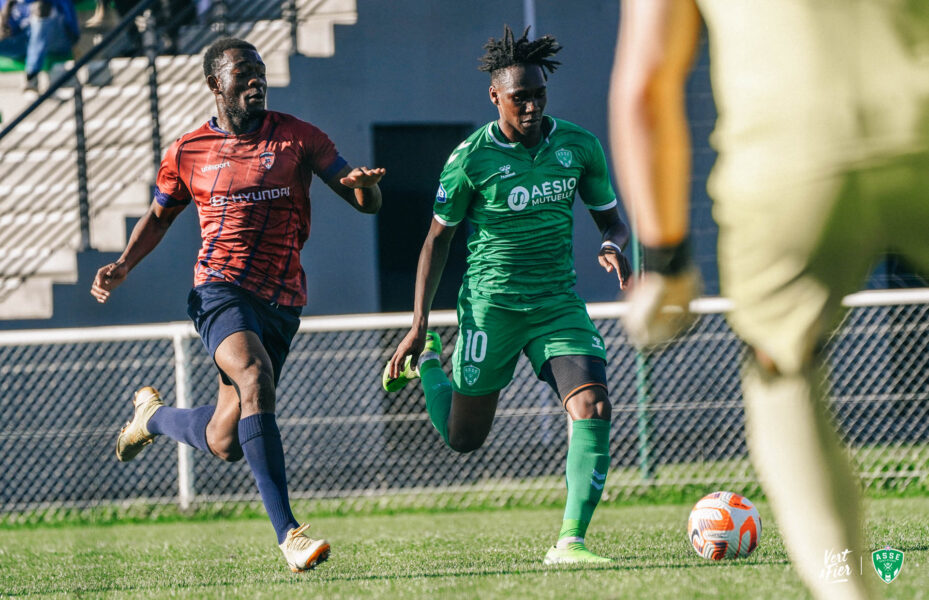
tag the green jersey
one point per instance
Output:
(521, 207)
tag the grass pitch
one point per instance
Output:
(468, 554)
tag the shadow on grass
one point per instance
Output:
(562, 568)
(320, 576)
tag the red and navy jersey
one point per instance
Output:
(252, 194)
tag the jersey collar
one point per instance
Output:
(493, 130)
(215, 127)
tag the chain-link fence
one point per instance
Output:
(677, 419)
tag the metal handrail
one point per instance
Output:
(72, 88)
(79, 64)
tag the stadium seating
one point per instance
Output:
(39, 216)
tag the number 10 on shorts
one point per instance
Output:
(475, 346)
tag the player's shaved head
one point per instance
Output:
(213, 56)
(509, 51)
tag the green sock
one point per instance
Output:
(438, 392)
(588, 462)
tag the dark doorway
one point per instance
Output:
(414, 156)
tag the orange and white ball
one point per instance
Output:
(724, 525)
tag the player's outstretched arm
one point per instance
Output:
(358, 186)
(651, 149)
(615, 236)
(649, 134)
(432, 259)
(145, 236)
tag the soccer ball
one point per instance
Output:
(724, 525)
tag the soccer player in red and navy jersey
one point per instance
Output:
(248, 172)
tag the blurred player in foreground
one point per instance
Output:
(248, 171)
(516, 179)
(823, 140)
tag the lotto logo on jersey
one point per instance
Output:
(548, 191)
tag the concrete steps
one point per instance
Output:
(39, 220)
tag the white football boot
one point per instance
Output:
(303, 553)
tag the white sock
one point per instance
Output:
(428, 355)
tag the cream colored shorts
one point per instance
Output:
(789, 252)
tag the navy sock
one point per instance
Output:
(186, 425)
(261, 442)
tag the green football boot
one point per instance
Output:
(432, 349)
(575, 553)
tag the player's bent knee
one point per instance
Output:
(592, 402)
(225, 448)
(256, 388)
(809, 357)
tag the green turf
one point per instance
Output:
(468, 554)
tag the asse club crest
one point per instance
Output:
(471, 373)
(887, 563)
(564, 157)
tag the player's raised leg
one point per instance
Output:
(192, 426)
(135, 434)
(187, 425)
(431, 351)
(463, 421)
(436, 386)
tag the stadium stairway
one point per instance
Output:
(39, 216)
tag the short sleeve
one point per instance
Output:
(454, 194)
(594, 186)
(170, 189)
(321, 158)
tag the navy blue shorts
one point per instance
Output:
(220, 309)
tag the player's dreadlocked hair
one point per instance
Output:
(509, 51)
(214, 53)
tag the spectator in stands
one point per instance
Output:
(35, 30)
(170, 16)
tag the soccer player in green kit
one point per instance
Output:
(516, 180)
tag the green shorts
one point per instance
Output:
(490, 338)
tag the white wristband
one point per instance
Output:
(610, 244)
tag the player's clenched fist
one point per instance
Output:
(107, 279)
